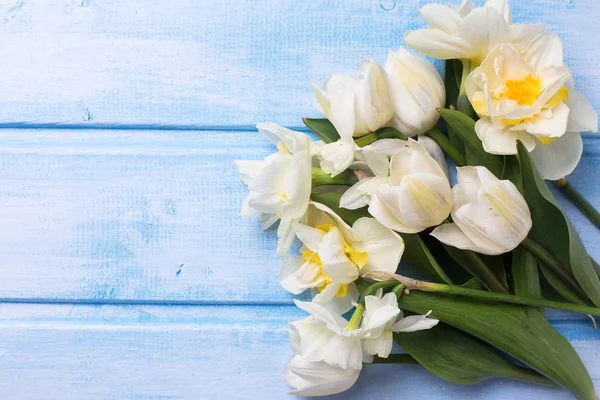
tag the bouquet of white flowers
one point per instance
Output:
(490, 245)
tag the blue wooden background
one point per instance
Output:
(126, 271)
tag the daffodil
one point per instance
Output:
(334, 255)
(279, 186)
(527, 94)
(382, 318)
(417, 91)
(469, 33)
(356, 105)
(490, 215)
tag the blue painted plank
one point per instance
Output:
(201, 352)
(205, 63)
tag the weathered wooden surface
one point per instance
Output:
(126, 270)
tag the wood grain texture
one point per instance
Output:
(213, 63)
(200, 352)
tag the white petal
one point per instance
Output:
(483, 29)
(523, 34)
(298, 185)
(336, 157)
(335, 262)
(265, 187)
(387, 216)
(466, 6)
(582, 116)
(438, 44)
(380, 316)
(248, 169)
(441, 17)
(546, 50)
(496, 141)
(374, 97)
(559, 158)
(309, 236)
(381, 346)
(320, 313)
(451, 235)
(353, 198)
(377, 161)
(337, 304)
(286, 235)
(384, 246)
(267, 220)
(434, 151)
(423, 200)
(342, 113)
(331, 217)
(503, 7)
(248, 211)
(287, 274)
(275, 133)
(318, 378)
(414, 323)
(554, 126)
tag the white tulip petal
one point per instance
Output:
(546, 50)
(440, 17)
(342, 113)
(415, 323)
(353, 198)
(384, 246)
(523, 34)
(335, 262)
(451, 235)
(374, 97)
(424, 200)
(496, 141)
(582, 116)
(336, 157)
(503, 7)
(387, 218)
(318, 378)
(473, 219)
(554, 126)
(438, 44)
(378, 162)
(435, 152)
(559, 158)
(287, 274)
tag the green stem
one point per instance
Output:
(396, 359)
(383, 133)
(447, 146)
(544, 256)
(320, 178)
(414, 284)
(579, 201)
(360, 308)
(482, 272)
(463, 103)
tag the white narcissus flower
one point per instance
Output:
(358, 105)
(527, 94)
(469, 32)
(490, 215)
(279, 186)
(334, 255)
(382, 318)
(417, 92)
(415, 195)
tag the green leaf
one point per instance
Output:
(520, 331)
(560, 287)
(464, 126)
(383, 133)
(496, 264)
(460, 358)
(553, 230)
(475, 265)
(323, 128)
(332, 200)
(452, 72)
(512, 171)
(418, 255)
(525, 273)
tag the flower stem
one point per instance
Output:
(479, 269)
(360, 308)
(383, 133)
(414, 284)
(463, 104)
(544, 256)
(579, 201)
(320, 178)
(396, 359)
(447, 146)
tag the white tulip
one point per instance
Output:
(526, 94)
(356, 105)
(382, 318)
(469, 32)
(417, 92)
(279, 186)
(490, 216)
(415, 195)
(334, 255)
(311, 378)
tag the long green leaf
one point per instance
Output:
(525, 273)
(475, 265)
(450, 81)
(560, 287)
(458, 357)
(554, 231)
(417, 254)
(464, 126)
(323, 128)
(520, 331)
(512, 171)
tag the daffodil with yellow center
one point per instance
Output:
(525, 93)
(334, 255)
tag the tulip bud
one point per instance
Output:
(416, 195)
(417, 91)
(356, 105)
(490, 216)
